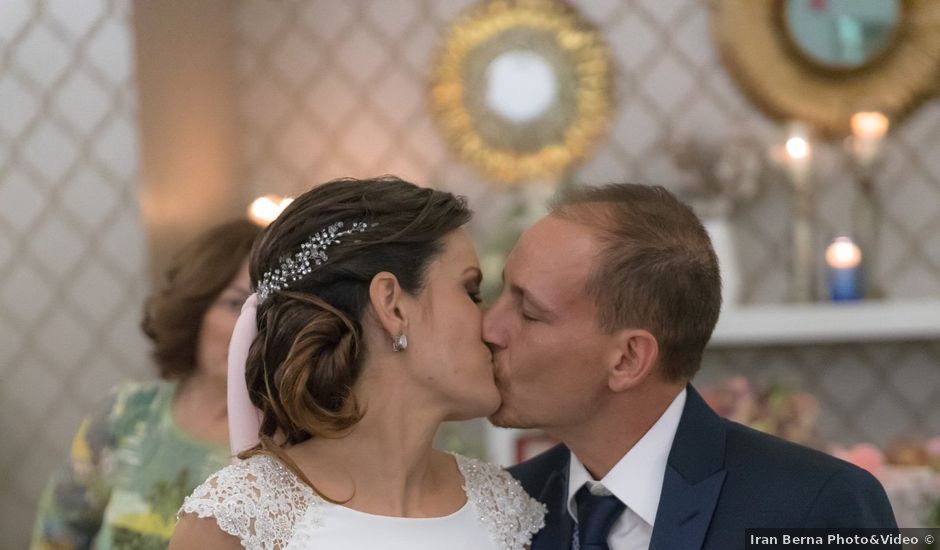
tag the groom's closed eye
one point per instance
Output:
(528, 306)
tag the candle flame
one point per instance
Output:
(797, 148)
(266, 209)
(843, 253)
(869, 125)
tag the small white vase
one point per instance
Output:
(721, 233)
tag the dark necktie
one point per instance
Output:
(596, 515)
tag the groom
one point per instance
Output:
(607, 305)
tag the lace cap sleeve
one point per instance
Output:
(257, 500)
(510, 515)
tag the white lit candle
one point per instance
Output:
(844, 259)
(798, 156)
(868, 131)
(266, 209)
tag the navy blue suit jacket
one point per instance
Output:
(722, 477)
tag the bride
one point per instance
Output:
(368, 337)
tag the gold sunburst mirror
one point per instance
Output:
(820, 61)
(521, 89)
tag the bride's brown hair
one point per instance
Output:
(310, 348)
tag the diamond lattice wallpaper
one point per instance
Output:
(332, 88)
(71, 243)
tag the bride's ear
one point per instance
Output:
(385, 297)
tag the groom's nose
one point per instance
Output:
(493, 333)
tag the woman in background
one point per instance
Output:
(152, 443)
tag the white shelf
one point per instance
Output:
(783, 324)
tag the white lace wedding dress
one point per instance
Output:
(267, 507)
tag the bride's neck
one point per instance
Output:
(387, 456)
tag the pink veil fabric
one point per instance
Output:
(244, 420)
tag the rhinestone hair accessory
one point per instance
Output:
(312, 254)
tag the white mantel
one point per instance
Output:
(827, 322)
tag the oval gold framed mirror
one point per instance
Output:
(820, 61)
(521, 89)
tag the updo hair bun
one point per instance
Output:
(310, 393)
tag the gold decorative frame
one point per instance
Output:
(508, 152)
(753, 42)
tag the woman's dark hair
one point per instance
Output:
(310, 347)
(197, 275)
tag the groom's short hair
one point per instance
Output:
(657, 269)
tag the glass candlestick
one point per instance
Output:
(864, 146)
(799, 154)
(867, 227)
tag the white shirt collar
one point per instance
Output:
(637, 479)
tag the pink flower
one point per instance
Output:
(732, 398)
(865, 455)
(933, 447)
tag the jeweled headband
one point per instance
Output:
(312, 253)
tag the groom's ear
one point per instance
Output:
(385, 296)
(633, 358)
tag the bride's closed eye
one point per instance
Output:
(472, 285)
(475, 295)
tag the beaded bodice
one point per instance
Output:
(266, 506)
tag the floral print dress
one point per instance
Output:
(129, 469)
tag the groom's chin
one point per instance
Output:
(504, 418)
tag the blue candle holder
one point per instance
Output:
(846, 284)
(845, 270)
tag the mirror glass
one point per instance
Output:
(520, 86)
(843, 34)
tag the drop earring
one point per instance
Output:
(400, 343)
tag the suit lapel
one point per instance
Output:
(685, 511)
(558, 523)
(694, 476)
